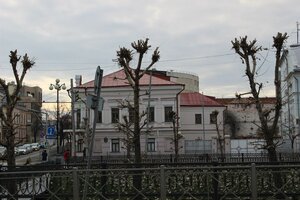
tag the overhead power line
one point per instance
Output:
(113, 65)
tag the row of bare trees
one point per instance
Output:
(247, 50)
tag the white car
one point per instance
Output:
(22, 150)
(28, 147)
(35, 146)
(2, 151)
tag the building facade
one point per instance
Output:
(161, 97)
(202, 134)
(290, 77)
(241, 117)
(1, 107)
(27, 113)
(31, 102)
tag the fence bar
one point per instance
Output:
(215, 182)
(163, 193)
(253, 182)
(75, 184)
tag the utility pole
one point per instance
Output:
(148, 113)
(297, 32)
(73, 120)
(93, 101)
(203, 125)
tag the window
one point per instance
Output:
(99, 119)
(151, 144)
(168, 117)
(197, 146)
(115, 145)
(213, 118)
(131, 114)
(79, 145)
(198, 119)
(151, 114)
(114, 115)
(78, 118)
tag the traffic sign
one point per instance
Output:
(51, 133)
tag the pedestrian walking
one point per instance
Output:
(44, 156)
(67, 156)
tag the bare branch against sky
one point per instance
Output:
(74, 37)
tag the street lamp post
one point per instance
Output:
(57, 86)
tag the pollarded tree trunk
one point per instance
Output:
(136, 119)
(11, 92)
(133, 76)
(248, 50)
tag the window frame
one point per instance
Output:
(115, 119)
(131, 114)
(152, 114)
(213, 119)
(78, 118)
(166, 113)
(197, 115)
(99, 117)
(151, 145)
(115, 145)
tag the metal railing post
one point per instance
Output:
(253, 182)
(215, 181)
(163, 193)
(75, 184)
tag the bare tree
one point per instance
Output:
(290, 131)
(176, 134)
(133, 75)
(221, 138)
(248, 50)
(126, 127)
(11, 99)
(11, 92)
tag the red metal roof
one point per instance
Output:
(118, 79)
(196, 99)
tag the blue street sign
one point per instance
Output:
(51, 133)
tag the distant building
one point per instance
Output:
(197, 124)
(189, 80)
(31, 101)
(290, 83)
(241, 119)
(198, 131)
(1, 104)
(27, 113)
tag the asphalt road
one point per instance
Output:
(33, 157)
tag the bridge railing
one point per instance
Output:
(163, 182)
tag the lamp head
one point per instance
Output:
(51, 87)
(57, 80)
(63, 87)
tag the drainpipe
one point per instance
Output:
(298, 111)
(177, 107)
(148, 113)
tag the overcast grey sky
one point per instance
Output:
(73, 37)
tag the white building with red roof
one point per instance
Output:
(197, 124)
(164, 96)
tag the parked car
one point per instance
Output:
(35, 146)
(16, 151)
(22, 150)
(29, 147)
(2, 151)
